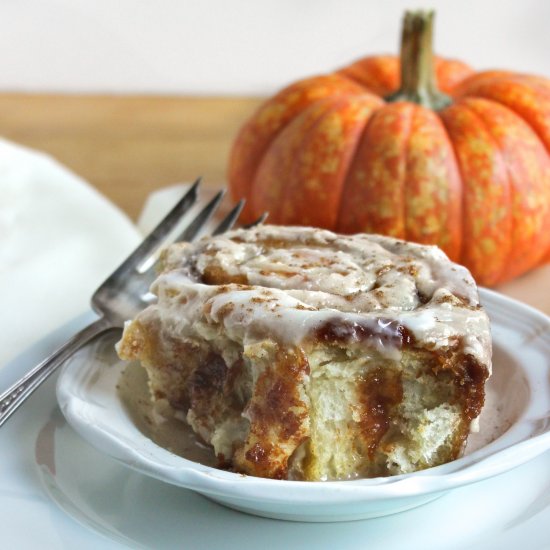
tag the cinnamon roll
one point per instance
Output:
(297, 353)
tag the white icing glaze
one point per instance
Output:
(297, 279)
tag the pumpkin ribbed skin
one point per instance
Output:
(473, 178)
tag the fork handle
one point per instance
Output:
(13, 397)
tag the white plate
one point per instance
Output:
(521, 336)
(136, 511)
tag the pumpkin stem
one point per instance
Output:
(418, 83)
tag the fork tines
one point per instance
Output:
(201, 219)
(229, 221)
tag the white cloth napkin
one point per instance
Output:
(59, 238)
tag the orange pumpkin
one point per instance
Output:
(453, 157)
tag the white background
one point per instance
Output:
(243, 46)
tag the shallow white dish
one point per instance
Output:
(87, 395)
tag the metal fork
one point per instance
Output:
(125, 292)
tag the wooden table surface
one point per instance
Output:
(127, 146)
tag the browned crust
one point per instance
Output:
(278, 417)
(469, 378)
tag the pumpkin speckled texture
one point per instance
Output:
(418, 147)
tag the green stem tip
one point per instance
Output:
(418, 82)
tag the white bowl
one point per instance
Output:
(515, 427)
